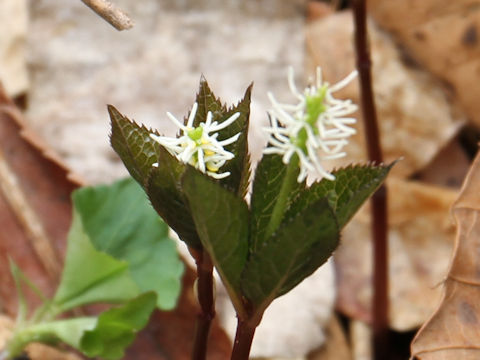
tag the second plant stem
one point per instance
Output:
(379, 199)
(206, 299)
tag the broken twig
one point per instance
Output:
(113, 15)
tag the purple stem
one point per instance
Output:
(379, 199)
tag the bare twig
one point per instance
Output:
(113, 15)
(379, 199)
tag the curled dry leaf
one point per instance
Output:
(415, 117)
(453, 332)
(420, 240)
(441, 35)
(35, 207)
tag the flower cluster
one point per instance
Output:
(198, 146)
(315, 129)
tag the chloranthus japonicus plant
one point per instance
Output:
(198, 181)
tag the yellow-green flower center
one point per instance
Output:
(314, 107)
(196, 134)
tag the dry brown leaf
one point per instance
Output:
(420, 240)
(448, 168)
(415, 117)
(443, 36)
(35, 207)
(453, 332)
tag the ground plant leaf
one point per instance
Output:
(294, 252)
(352, 186)
(91, 276)
(269, 177)
(119, 221)
(133, 144)
(165, 194)
(18, 276)
(117, 328)
(69, 331)
(221, 219)
(453, 332)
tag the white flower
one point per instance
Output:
(316, 128)
(198, 146)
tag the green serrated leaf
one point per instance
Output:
(89, 275)
(139, 152)
(119, 221)
(221, 219)
(239, 166)
(165, 194)
(117, 328)
(270, 175)
(294, 252)
(352, 186)
(133, 144)
(207, 101)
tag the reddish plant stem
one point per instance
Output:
(379, 199)
(206, 298)
(243, 340)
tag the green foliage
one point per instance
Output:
(139, 152)
(306, 236)
(239, 166)
(106, 336)
(69, 331)
(352, 186)
(207, 101)
(90, 275)
(22, 302)
(133, 144)
(117, 328)
(270, 176)
(165, 194)
(118, 253)
(221, 219)
(294, 252)
(263, 251)
(119, 221)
